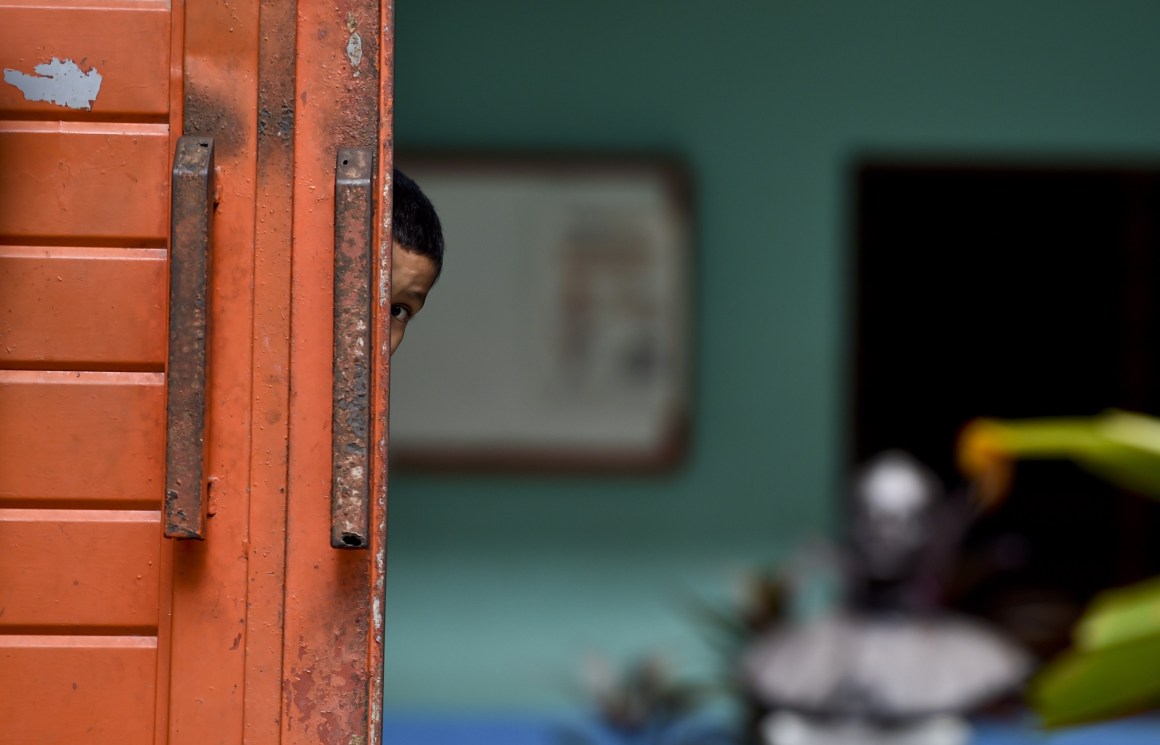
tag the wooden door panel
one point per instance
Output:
(73, 183)
(81, 438)
(134, 77)
(77, 689)
(82, 308)
(79, 568)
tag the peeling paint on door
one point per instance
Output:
(354, 51)
(57, 82)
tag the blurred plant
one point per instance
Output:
(805, 586)
(808, 585)
(1113, 669)
(644, 704)
(730, 626)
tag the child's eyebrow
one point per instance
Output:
(413, 295)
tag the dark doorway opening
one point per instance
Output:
(1013, 291)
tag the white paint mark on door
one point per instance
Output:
(354, 51)
(57, 82)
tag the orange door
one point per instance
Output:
(262, 632)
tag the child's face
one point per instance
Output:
(412, 275)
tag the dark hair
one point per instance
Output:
(413, 220)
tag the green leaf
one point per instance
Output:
(1120, 616)
(1114, 670)
(1087, 686)
(1122, 447)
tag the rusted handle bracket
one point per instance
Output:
(350, 444)
(191, 224)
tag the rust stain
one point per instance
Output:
(208, 114)
(302, 699)
(328, 697)
(345, 703)
(279, 124)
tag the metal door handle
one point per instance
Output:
(191, 224)
(351, 420)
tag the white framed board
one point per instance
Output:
(558, 335)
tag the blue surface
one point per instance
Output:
(1130, 732)
(420, 731)
(414, 729)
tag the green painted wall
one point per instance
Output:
(499, 587)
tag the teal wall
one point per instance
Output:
(499, 587)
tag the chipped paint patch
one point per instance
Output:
(354, 50)
(57, 82)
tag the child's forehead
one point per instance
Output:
(411, 258)
(411, 270)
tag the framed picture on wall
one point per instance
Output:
(558, 336)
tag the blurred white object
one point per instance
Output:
(785, 728)
(892, 667)
(888, 666)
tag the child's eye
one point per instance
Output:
(401, 313)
